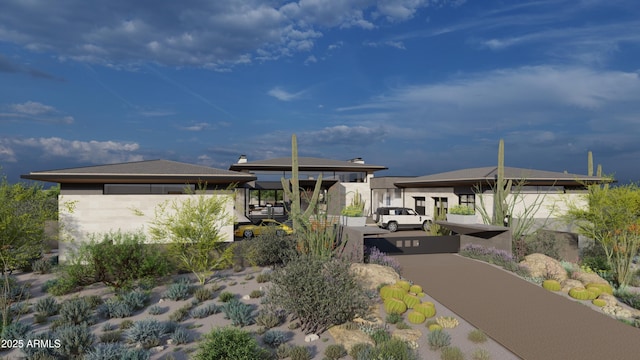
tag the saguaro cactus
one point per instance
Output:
(590, 163)
(292, 191)
(502, 189)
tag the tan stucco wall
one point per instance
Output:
(83, 215)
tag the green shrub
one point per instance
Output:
(111, 336)
(42, 266)
(256, 294)
(361, 351)
(146, 332)
(274, 338)
(335, 351)
(47, 306)
(438, 339)
(380, 336)
(300, 353)
(229, 343)
(461, 210)
(181, 313)
(396, 349)
(203, 294)
(451, 353)
(75, 340)
(239, 313)
(318, 292)
(62, 285)
(283, 351)
(41, 352)
(263, 278)
(76, 311)
(137, 299)
(116, 352)
(630, 298)
(114, 308)
(477, 336)
(269, 319)
(403, 326)
(16, 330)
(126, 324)
(180, 290)
(543, 242)
(226, 296)
(481, 354)
(269, 249)
(119, 258)
(393, 318)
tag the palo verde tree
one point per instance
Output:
(192, 228)
(611, 218)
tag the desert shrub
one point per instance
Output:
(111, 336)
(137, 299)
(114, 308)
(282, 352)
(204, 311)
(335, 351)
(256, 294)
(294, 325)
(438, 339)
(157, 310)
(299, 353)
(402, 325)
(318, 292)
(203, 294)
(393, 318)
(116, 352)
(274, 338)
(263, 278)
(126, 324)
(380, 336)
(239, 313)
(394, 348)
(229, 343)
(146, 332)
(181, 313)
(47, 306)
(269, 319)
(451, 353)
(41, 352)
(543, 242)
(76, 311)
(16, 330)
(361, 351)
(477, 336)
(494, 256)
(180, 290)
(42, 266)
(373, 255)
(60, 286)
(181, 336)
(630, 298)
(481, 354)
(269, 249)
(594, 256)
(93, 300)
(75, 340)
(225, 296)
(20, 308)
(119, 258)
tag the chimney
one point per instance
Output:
(357, 160)
(242, 159)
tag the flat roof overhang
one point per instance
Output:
(136, 179)
(491, 182)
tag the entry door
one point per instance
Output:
(420, 205)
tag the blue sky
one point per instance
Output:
(418, 86)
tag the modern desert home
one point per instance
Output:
(124, 196)
(548, 192)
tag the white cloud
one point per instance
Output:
(95, 152)
(32, 108)
(125, 33)
(197, 127)
(35, 111)
(311, 59)
(283, 95)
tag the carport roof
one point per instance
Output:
(487, 175)
(306, 164)
(150, 171)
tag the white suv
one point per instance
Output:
(394, 218)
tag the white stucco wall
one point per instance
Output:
(83, 215)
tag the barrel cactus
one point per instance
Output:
(434, 327)
(411, 301)
(581, 293)
(395, 306)
(599, 302)
(392, 291)
(415, 289)
(415, 317)
(425, 309)
(605, 288)
(551, 285)
(404, 284)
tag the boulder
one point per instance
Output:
(348, 338)
(543, 266)
(311, 338)
(617, 311)
(373, 275)
(587, 278)
(569, 284)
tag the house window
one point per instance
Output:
(468, 200)
(143, 189)
(441, 206)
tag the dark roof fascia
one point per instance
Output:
(136, 179)
(490, 182)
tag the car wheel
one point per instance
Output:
(426, 225)
(392, 226)
(248, 234)
(280, 232)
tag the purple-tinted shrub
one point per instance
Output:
(494, 256)
(374, 256)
